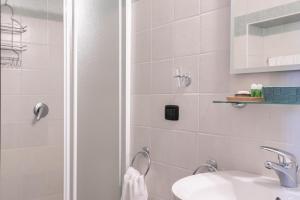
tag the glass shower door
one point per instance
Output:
(32, 72)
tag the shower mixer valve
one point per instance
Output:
(40, 110)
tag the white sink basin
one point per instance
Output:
(231, 185)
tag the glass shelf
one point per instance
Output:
(242, 104)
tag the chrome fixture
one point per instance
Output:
(238, 105)
(145, 152)
(210, 165)
(40, 110)
(183, 79)
(286, 168)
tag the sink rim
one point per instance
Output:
(230, 175)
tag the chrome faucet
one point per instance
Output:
(286, 168)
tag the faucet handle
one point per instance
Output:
(284, 157)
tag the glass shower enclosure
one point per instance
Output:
(62, 99)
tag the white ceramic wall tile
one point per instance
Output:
(55, 34)
(214, 73)
(23, 135)
(188, 112)
(162, 46)
(221, 132)
(209, 5)
(162, 12)
(186, 8)
(141, 110)
(187, 65)
(10, 81)
(24, 144)
(161, 179)
(162, 77)
(168, 146)
(214, 118)
(143, 47)
(215, 30)
(142, 15)
(37, 31)
(141, 78)
(214, 147)
(140, 138)
(36, 56)
(187, 37)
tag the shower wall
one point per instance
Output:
(193, 35)
(32, 153)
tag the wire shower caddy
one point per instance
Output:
(11, 46)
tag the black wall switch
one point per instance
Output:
(172, 112)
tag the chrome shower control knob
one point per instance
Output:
(40, 111)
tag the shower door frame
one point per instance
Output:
(70, 93)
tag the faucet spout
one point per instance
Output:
(286, 168)
(287, 176)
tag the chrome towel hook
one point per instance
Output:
(145, 152)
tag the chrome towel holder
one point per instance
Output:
(146, 153)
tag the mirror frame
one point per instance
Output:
(234, 70)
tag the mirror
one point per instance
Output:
(265, 36)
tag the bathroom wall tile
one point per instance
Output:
(174, 148)
(214, 147)
(10, 187)
(214, 118)
(209, 5)
(214, 72)
(56, 52)
(10, 164)
(140, 138)
(143, 47)
(36, 57)
(34, 186)
(55, 32)
(187, 65)
(37, 33)
(39, 79)
(53, 197)
(55, 133)
(162, 77)
(167, 176)
(162, 46)
(215, 30)
(241, 151)
(187, 37)
(186, 8)
(23, 135)
(200, 45)
(141, 78)
(35, 82)
(10, 81)
(141, 110)
(163, 81)
(56, 105)
(188, 112)
(141, 15)
(162, 12)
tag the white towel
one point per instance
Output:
(134, 186)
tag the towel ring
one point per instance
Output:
(145, 152)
